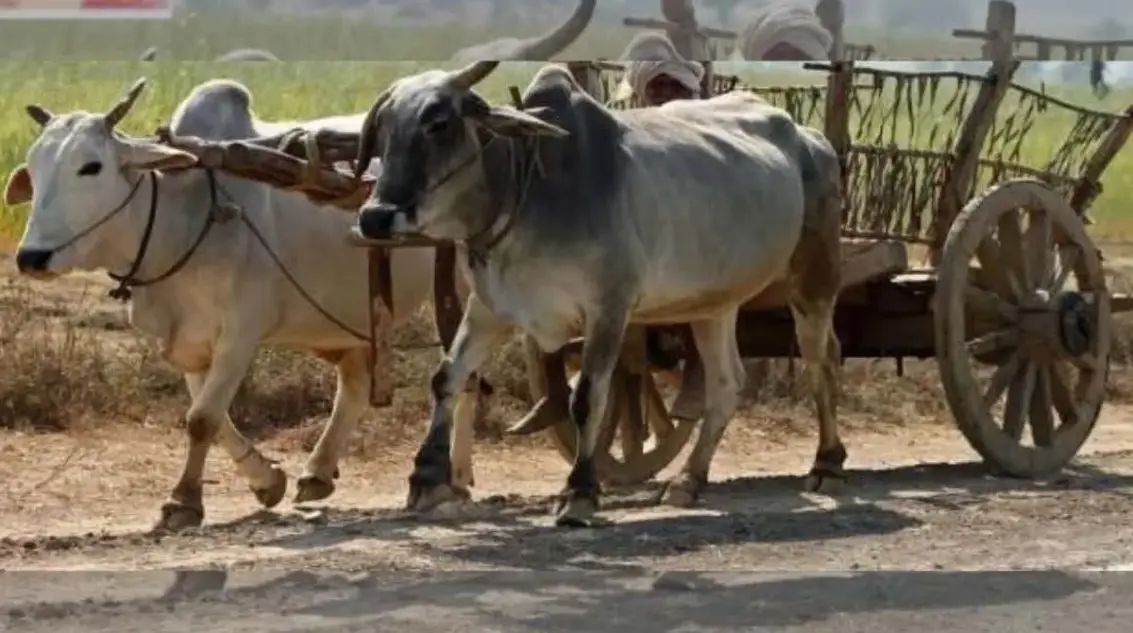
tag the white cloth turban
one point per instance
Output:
(784, 23)
(651, 55)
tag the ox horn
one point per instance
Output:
(368, 140)
(472, 74)
(120, 109)
(40, 114)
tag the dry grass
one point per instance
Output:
(69, 359)
(50, 378)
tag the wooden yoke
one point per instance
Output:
(381, 326)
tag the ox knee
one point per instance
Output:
(440, 385)
(202, 427)
(580, 404)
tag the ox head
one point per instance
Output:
(78, 170)
(430, 132)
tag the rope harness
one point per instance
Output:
(129, 280)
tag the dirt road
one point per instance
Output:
(931, 546)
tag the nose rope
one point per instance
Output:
(126, 282)
(106, 218)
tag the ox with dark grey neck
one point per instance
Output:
(579, 219)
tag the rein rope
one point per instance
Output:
(290, 277)
(256, 233)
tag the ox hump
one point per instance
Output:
(216, 109)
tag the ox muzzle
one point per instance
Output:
(33, 262)
(384, 220)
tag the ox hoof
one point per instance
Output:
(826, 482)
(270, 495)
(827, 476)
(424, 500)
(682, 492)
(577, 511)
(177, 516)
(312, 488)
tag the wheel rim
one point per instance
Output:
(1023, 328)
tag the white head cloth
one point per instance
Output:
(650, 55)
(784, 23)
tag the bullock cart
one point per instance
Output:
(942, 168)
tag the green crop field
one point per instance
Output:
(309, 89)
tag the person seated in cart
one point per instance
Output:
(785, 31)
(657, 74)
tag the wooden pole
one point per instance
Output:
(1000, 44)
(964, 168)
(1089, 186)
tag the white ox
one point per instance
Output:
(229, 298)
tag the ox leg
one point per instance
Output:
(351, 401)
(207, 421)
(469, 403)
(431, 482)
(579, 502)
(822, 354)
(724, 377)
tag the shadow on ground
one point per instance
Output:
(563, 601)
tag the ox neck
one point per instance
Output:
(507, 199)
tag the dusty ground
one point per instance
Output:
(756, 552)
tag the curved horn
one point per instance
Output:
(120, 109)
(368, 140)
(552, 43)
(472, 74)
(41, 114)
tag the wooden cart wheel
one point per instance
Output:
(637, 416)
(1023, 328)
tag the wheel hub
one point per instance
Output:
(1076, 324)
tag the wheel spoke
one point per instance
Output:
(1042, 418)
(1018, 398)
(1068, 259)
(656, 413)
(983, 302)
(632, 424)
(992, 270)
(1000, 380)
(993, 342)
(1040, 247)
(614, 412)
(1085, 362)
(1062, 396)
(1012, 248)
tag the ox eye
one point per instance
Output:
(437, 121)
(90, 169)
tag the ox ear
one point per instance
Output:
(513, 123)
(19, 188)
(148, 156)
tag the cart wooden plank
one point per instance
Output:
(862, 262)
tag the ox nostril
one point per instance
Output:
(31, 260)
